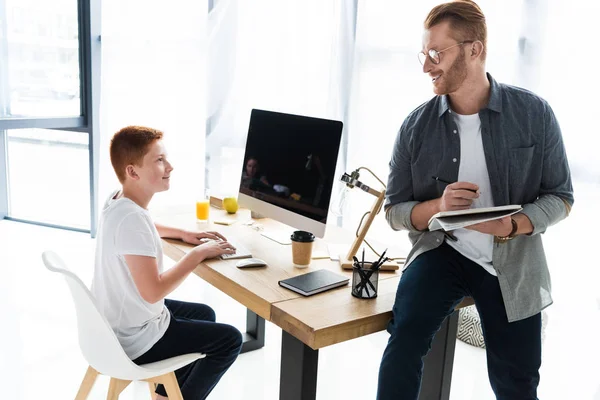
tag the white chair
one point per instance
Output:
(102, 350)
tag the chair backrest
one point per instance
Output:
(98, 343)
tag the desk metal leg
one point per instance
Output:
(437, 373)
(254, 338)
(299, 365)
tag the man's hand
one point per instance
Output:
(458, 196)
(197, 238)
(498, 227)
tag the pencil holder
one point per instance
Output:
(364, 281)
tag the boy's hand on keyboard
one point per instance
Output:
(197, 238)
(214, 248)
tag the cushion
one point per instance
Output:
(469, 326)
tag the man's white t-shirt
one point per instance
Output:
(126, 229)
(474, 245)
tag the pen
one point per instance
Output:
(437, 178)
(363, 260)
(375, 267)
(379, 262)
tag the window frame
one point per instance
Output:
(89, 25)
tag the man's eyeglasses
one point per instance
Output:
(434, 55)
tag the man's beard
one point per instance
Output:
(455, 76)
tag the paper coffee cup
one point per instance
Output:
(302, 244)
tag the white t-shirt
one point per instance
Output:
(474, 245)
(126, 229)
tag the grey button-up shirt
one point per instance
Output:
(527, 165)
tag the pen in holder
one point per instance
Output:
(365, 276)
(364, 280)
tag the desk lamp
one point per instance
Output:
(352, 182)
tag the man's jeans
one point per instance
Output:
(429, 290)
(192, 329)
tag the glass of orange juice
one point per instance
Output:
(203, 208)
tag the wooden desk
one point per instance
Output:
(308, 323)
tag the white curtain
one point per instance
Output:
(154, 74)
(197, 76)
(567, 80)
(287, 56)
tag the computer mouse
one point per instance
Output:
(250, 262)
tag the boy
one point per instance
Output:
(130, 285)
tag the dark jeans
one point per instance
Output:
(193, 329)
(429, 290)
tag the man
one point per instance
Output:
(130, 285)
(499, 145)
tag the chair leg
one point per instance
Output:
(152, 387)
(171, 386)
(86, 385)
(115, 388)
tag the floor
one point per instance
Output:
(40, 358)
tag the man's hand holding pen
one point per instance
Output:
(458, 196)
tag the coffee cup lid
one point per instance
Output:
(302, 236)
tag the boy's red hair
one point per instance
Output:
(129, 146)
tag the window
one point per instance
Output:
(47, 110)
(48, 176)
(41, 82)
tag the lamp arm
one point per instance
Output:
(362, 232)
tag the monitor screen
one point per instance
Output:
(289, 168)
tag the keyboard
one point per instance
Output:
(240, 250)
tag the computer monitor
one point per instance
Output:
(289, 168)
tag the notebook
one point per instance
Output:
(451, 220)
(314, 282)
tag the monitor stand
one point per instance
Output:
(279, 235)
